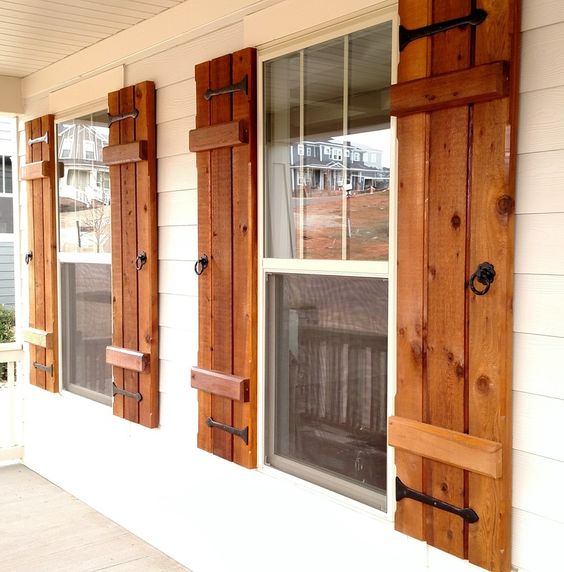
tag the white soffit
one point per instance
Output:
(37, 33)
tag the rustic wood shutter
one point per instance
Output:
(225, 142)
(456, 105)
(131, 155)
(41, 257)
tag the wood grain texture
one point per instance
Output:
(454, 89)
(135, 340)
(490, 318)
(50, 252)
(245, 255)
(37, 170)
(203, 119)
(227, 134)
(221, 264)
(450, 447)
(147, 277)
(38, 337)
(30, 246)
(38, 260)
(125, 153)
(129, 250)
(230, 386)
(127, 359)
(117, 274)
(413, 164)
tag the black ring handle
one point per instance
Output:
(485, 275)
(201, 264)
(141, 260)
(28, 256)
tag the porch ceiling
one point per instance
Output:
(37, 33)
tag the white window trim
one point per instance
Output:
(387, 12)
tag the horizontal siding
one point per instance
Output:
(539, 305)
(177, 277)
(539, 182)
(538, 13)
(178, 311)
(537, 542)
(539, 244)
(178, 243)
(537, 365)
(176, 101)
(536, 421)
(172, 136)
(178, 208)
(177, 64)
(542, 58)
(536, 481)
(541, 121)
(177, 173)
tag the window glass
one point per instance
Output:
(84, 198)
(86, 313)
(84, 245)
(334, 96)
(329, 361)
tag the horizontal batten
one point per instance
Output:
(217, 136)
(38, 338)
(38, 170)
(451, 447)
(230, 386)
(125, 153)
(477, 84)
(127, 359)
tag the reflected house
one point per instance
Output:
(84, 188)
(321, 167)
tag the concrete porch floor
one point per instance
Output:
(45, 529)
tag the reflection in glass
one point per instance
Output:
(84, 192)
(327, 131)
(329, 344)
(86, 329)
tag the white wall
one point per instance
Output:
(160, 486)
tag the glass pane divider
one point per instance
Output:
(375, 269)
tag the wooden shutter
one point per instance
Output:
(225, 142)
(41, 257)
(131, 155)
(456, 101)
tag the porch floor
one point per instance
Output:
(45, 529)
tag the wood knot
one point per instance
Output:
(483, 384)
(416, 350)
(455, 221)
(401, 331)
(450, 356)
(505, 205)
(444, 487)
(459, 370)
(244, 228)
(432, 271)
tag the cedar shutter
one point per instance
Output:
(456, 104)
(131, 155)
(225, 142)
(41, 258)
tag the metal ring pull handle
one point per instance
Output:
(141, 260)
(28, 256)
(485, 275)
(201, 264)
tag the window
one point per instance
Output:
(325, 263)
(84, 257)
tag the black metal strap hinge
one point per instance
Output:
(406, 36)
(404, 492)
(243, 433)
(46, 368)
(243, 85)
(118, 391)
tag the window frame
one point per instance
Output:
(347, 268)
(103, 258)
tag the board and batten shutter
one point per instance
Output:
(456, 104)
(225, 143)
(41, 257)
(131, 155)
